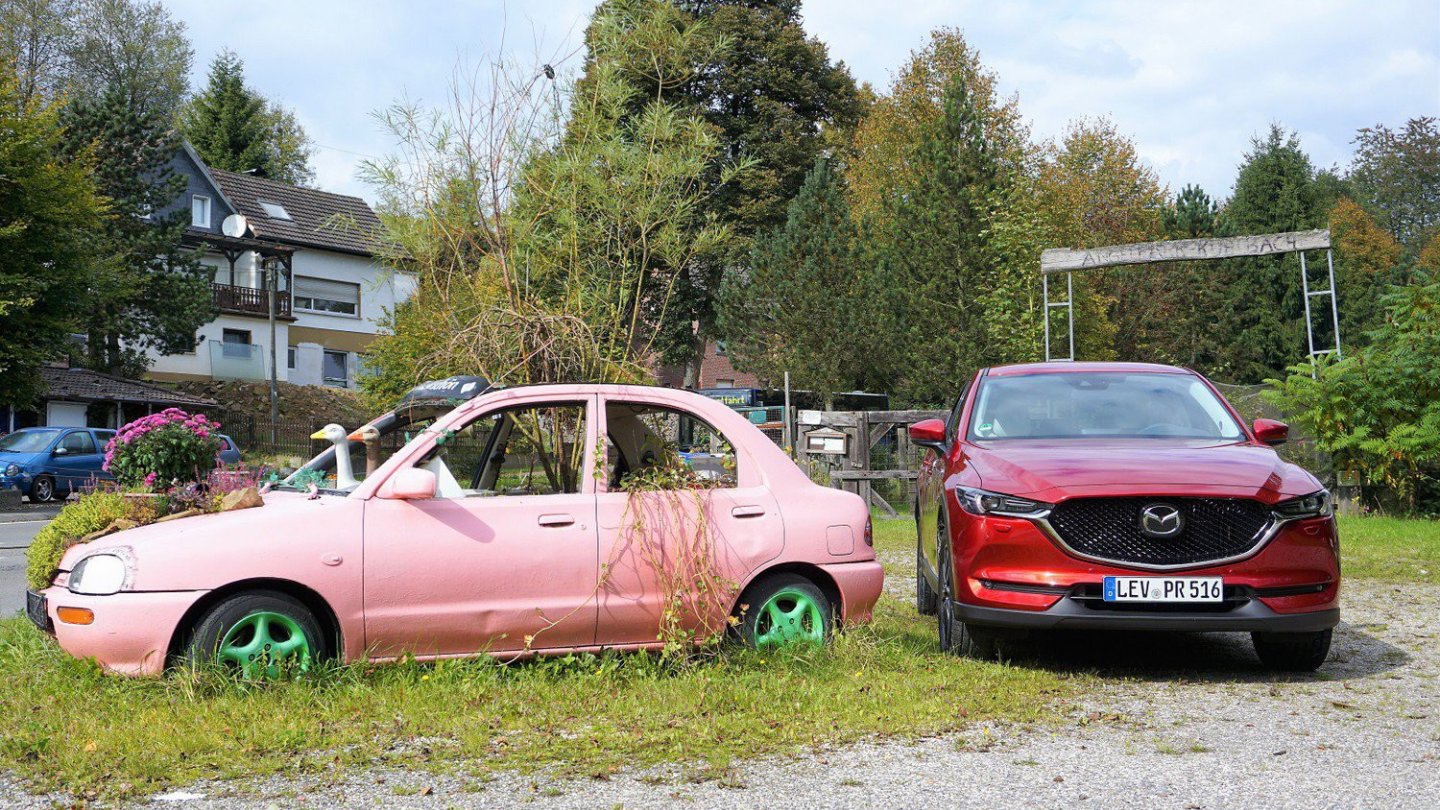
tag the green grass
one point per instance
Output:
(1395, 549)
(64, 724)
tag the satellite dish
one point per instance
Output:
(234, 226)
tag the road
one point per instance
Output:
(15, 537)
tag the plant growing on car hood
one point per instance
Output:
(163, 449)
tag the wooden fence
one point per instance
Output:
(878, 463)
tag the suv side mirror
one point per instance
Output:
(409, 484)
(929, 433)
(1271, 432)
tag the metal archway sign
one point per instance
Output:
(1068, 260)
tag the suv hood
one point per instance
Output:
(1050, 470)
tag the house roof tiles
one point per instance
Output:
(83, 385)
(318, 219)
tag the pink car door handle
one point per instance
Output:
(747, 511)
(556, 520)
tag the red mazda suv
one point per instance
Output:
(1119, 496)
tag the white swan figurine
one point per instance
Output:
(338, 436)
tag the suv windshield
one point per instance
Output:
(1078, 405)
(27, 441)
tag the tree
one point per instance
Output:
(1192, 215)
(36, 35)
(1396, 176)
(1378, 410)
(145, 291)
(1367, 263)
(887, 140)
(771, 95)
(46, 209)
(806, 302)
(133, 45)
(234, 128)
(547, 251)
(1263, 323)
(1095, 191)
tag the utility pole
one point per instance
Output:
(271, 280)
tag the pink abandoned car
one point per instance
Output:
(473, 520)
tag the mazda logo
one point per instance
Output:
(1161, 521)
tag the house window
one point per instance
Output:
(337, 369)
(724, 383)
(236, 342)
(275, 210)
(326, 296)
(200, 211)
(290, 357)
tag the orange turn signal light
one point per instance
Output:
(74, 615)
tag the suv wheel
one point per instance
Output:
(926, 600)
(1292, 652)
(958, 638)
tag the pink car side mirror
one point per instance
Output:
(1271, 432)
(929, 433)
(409, 484)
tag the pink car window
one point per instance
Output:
(525, 450)
(641, 436)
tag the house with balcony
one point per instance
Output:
(307, 261)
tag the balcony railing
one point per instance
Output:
(249, 300)
(236, 361)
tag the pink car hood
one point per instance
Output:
(1055, 470)
(287, 524)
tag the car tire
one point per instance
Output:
(926, 600)
(1292, 652)
(242, 632)
(783, 609)
(957, 637)
(42, 489)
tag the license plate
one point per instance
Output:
(36, 609)
(1164, 589)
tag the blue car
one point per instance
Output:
(47, 463)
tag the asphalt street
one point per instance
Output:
(15, 537)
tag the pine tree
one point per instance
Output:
(806, 303)
(1263, 317)
(47, 208)
(145, 290)
(234, 128)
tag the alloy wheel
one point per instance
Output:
(263, 645)
(42, 491)
(790, 615)
(945, 608)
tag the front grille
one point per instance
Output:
(1109, 529)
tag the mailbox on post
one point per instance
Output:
(828, 441)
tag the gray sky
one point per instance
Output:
(1190, 82)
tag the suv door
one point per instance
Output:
(503, 558)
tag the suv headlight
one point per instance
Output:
(1316, 504)
(12, 469)
(982, 502)
(99, 575)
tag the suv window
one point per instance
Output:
(641, 436)
(78, 443)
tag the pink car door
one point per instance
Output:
(651, 540)
(503, 558)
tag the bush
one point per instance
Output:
(162, 450)
(90, 513)
(1378, 410)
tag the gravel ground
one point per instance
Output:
(1177, 721)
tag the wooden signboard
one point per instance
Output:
(1059, 260)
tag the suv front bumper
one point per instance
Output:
(1067, 613)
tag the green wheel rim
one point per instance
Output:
(788, 617)
(262, 644)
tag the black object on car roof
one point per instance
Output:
(457, 389)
